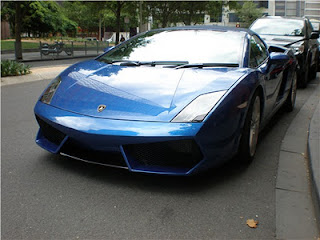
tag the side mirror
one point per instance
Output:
(314, 35)
(278, 58)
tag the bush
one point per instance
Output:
(13, 68)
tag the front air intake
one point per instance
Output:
(183, 154)
(49, 132)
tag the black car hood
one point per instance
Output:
(280, 40)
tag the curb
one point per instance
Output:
(314, 159)
(295, 208)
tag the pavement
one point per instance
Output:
(298, 178)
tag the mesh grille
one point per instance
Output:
(180, 154)
(78, 150)
(50, 133)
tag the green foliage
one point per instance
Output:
(190, 12)
(249, 12)
(13, 68)
(40, 18)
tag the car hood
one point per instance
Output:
(137, 93)
(279, 40)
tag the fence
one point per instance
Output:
(71, 49)
(59, 50)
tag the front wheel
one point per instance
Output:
(68, 51)
(249, 138)
(291, 99)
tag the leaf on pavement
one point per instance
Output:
(252, 223)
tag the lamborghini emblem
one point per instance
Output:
(101, 108)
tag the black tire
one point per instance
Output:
(291, 99)
(304, 78)
(249, 138)
(314, 70)
(68, 51)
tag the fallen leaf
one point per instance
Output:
(252, 223)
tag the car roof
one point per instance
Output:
(208, 27)
(282, 17)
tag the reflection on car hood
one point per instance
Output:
(279, 40)
(137, 93)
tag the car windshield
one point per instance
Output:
(283, 27)
(180, 47)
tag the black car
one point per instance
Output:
(296, 33)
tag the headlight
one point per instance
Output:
(50, 91)
(298, 49)
(199, 108)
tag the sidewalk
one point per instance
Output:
(37, 74)
(299, 154)
(296, 210)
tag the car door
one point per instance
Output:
(270, 75)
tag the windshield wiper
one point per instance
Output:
(122, 62)
(202, 65)
(154, 63)
(151, 63)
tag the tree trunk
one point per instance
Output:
(118, 21)
(140, 17)
(18, 21)
(99, 38)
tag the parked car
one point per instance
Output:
(316, 27)
(296, 33)
(154, 104)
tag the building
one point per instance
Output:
(295, 8)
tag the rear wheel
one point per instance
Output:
(249, 139)
(304, 78)
(291, 99)
(314, 70)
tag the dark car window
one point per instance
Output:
(258, 52)
(283, 27)
(309, 28)
(193, 46)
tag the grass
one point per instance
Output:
(9, 45)
(13, 68)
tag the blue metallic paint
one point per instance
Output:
(144, 93)
(140, 111)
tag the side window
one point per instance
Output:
(258, 52)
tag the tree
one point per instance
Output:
(191, 12)
(163, 12)
(249, 12)
(18, 23)
(38, 17)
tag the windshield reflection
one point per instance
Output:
(193, 46)
(283, 27)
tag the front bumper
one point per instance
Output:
(151, 147)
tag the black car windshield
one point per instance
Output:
(281, 26)
(180, 47)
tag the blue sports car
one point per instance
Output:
(169, 101)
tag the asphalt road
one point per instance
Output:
(46, 196)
